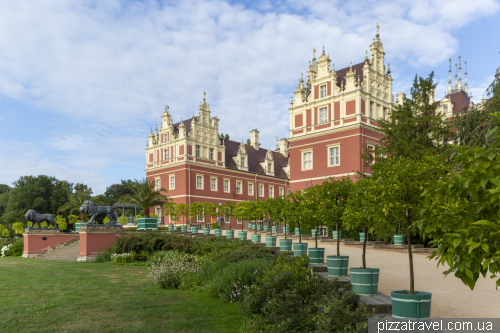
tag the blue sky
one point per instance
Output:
(82, 82)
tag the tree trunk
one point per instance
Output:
(285, 230)
(146, 212)
(316, 236)
(338, 241)
(82, 217)
(300, 233)
(364, 247)
(410, 256)
(271, 227)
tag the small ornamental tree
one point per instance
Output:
(309, 212)
(210, 210)
(61, 222)
(170, 209)
(274, 207)
(228, 208)
(18, 227)
(123, 219)
(239, 213)
(293, 210)
(401, 182)
(182, 211)
(145, 195)
(196, 209)
(333, 195)
(72, 219)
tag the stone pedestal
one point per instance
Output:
(38, 241)
(97, 237)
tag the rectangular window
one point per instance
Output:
(307, 160)
(226, 217)
(211, 153)
(172, 182)
(335, 156)
(371, 110)
(197, 151)
(323, 91)
(166, 154)
(200, 218)
(226, 185)
(281, 191)
(242, 161)
(269, 166)
(157, 184)
(261, 190)
(240, 221)
(166, 137)
(213, 184)
(383, 113)
(323, 115)
(271, 191)
(250, 189)
(199, 182)
(238, 187)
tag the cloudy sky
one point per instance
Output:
(82, 82)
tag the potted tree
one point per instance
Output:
(196, 211)
(210, 210)
(182, 211)
(255, 212)
(240, 212)
(294, 212)
(146, 196)
(311, 218)
(228, 208)
(170, 209)
(272, 208)
(364, 211)
(333, 200)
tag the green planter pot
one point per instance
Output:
(417, 306)
(259, 227)
(171, 227)
(78, 226)
(286, 230)
(297, 231)
(313, 232)
(147, 223)
(242, 235)
(334, 234)
(266, 228)
(275, 228)
(362, 237)
(286, 244)
(229, 233)
(364, 281)
(316, 255)
(250, 225)
(194, 230)
(299, 249)
(255, 238)
(270, 241)
(184, 228)
(206, 231)
(218, 232)
(399, 240)
(337, 266)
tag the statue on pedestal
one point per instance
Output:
(35, 218)
(91, 209)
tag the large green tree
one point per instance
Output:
(42, 193)
(414, 129)
(145, 196)
(116, 191)
(75, 201)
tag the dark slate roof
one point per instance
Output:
(187, 123)
(460, 100)
(255, 157)
(341, 73)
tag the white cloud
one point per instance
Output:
(115, 62)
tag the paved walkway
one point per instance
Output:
(450, 297)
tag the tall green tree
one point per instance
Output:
(309, 209)
(42, 193)
(414, 129)
(116, 191)
(145, 196)
(82, 187)
(227, 209)
(74, 203)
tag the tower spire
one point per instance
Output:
(449, 81)
(378, 27)
(459, 73)
(456, 76)
(465, 74)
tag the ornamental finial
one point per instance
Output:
(378, 27)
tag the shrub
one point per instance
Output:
(167, 270)
(3, 251)
(18, 227)
(16, 249)
(130, 228)
(247, 251)
(122, 219)
(103, 257)
(215, 226)
(72, 219)
(122, 258)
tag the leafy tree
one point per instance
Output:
(75, 202)
(182, 211)
(333, 195)
(401, 182)
(228, 208)
(42, 193)
(210, 209)
(61, 222)
(461, 214)
(114, 192)
(196, 209)
(309, 209)
(4, 201)
(72, 219)
(249, 210)
(82, 187)
(145, 196)
(414, 129)
(4, 231)
(18, 227)
(293, 210)
(274, 207)
(225, 137)
(122, 219)
(170, 209)
(4, 188)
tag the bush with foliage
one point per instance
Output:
(102, 257)
(18, 227)
(168, 269)
(122, 219)
(215, 226)
(16, 248)
(72, 219)
(122, 258)
(4, 249)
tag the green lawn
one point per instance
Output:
(56, 296)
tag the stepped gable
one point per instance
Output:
(341, 73)
(460, 100)
(255, 157)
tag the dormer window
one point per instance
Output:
(242, 162)
(323, 115)
(323, 91)
(269, 165)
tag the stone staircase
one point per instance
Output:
(66, 252)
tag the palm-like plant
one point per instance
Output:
(145, 196)
(75, 202)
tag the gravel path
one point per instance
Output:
(450, 297)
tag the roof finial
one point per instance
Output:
(350, 67)
(156, 128)
(389, 69)
(366, 56)
(314, 54)
(204, 94)
(291, 101)
(466, 85)
(277, 144)
(302, 78)
(378, 27)
(449, 81)
(456, 76)
(323, 50)
(459, 72)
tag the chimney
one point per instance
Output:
(401, 98)
(284, 147)
(254, 138)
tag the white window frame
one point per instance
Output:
(239, 221)
(165, 152)
(322, 90)
(242, 162)
(329, 153)
(228, 190)
(202, 181)
(200, 218)
(323, 115)
(171, 182)
(303, 161)
(261, 190)
(269, 167)
(372, 146)
(210, 153)
(282, 191)
(271, 191)
(227, 218)
(239, 189)
(197, 151)
(166, 137)
(157, 183)
(250, 189)
(213, 183)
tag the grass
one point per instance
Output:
(38, 295)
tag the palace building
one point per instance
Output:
(334, 115)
